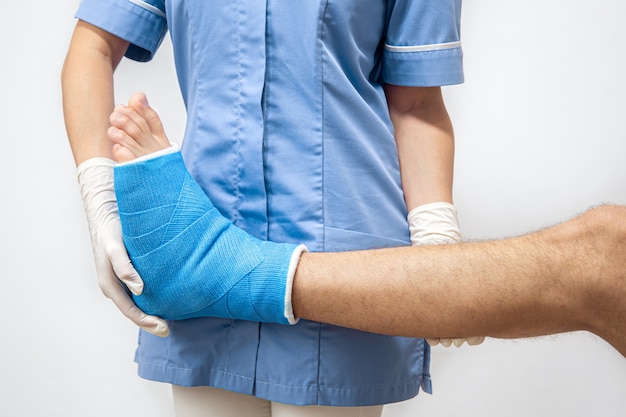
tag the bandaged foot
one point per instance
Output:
(194, 262)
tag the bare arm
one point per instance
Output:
(87, 82)
(569, 277)
(88, 100)
(425, 141)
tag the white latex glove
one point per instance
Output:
(116, 274)
(438, 224)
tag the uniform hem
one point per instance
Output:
(195, 377)
(336, 397)
(294, 395)
(424, 69)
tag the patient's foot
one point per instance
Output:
(193, 261)
(136, 130)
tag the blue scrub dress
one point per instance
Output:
(288, 132)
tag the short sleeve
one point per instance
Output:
(423, 43)
(140, 22)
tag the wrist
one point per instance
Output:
(434, 223)
(94, 176)
(95, 179)
(85, 167)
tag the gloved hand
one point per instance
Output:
(116, 274)
(437, 224)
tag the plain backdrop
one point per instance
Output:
(540, 132)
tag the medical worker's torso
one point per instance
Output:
(289, 134)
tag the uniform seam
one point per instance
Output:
(266, 97)
(322, 20)
(323, 11)
(193, 168)
(238, 112)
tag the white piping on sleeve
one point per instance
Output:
(423, 48)
(148, 7)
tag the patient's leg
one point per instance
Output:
(565, 278)
(193, 261)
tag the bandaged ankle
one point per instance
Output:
(193, 261)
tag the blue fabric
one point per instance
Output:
(138, 25)
(194, 262)
(306, 154)
(429, 64)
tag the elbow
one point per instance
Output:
(407, 101)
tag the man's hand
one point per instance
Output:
(116, 274)
(437, 224)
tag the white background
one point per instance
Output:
(540, 132)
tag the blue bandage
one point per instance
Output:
(193, 261)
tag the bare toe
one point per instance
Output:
(122, 154)
(139, 103)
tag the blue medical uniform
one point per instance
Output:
(288, 132)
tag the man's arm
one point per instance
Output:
(566, 278)
(425, 140)
(569, 277)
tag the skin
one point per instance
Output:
(421, 124)
(566, 278)
(422, 127)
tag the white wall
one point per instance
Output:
(540, 135)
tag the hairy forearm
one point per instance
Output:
(526, 286)
(87, 85)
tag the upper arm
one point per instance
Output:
(420, 102)
(89, 41)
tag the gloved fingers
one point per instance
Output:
(457, 341)
(471, 341)
(474, 341)
(122, 300)
(433, 342)
(151, 324)
(446, 342)
(124, 269)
